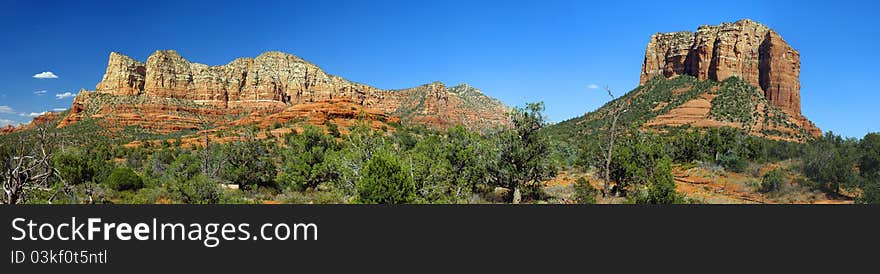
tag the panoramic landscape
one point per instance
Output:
(716, 117)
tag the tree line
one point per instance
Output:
(413, 164)
(400, 165)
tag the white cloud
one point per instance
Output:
(65, 95)
(593, 86)
(5, 122)
(59, 109)
(6, 109)
(45, 75)
(32, 114)
(40, 92)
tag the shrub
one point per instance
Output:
(869, 162)
(661, 186)
(185, 165)
(772, 181)
(248, 163)
(77, 166)
(122, 179)
(831, 161)
(733, 163)
(332, 128)
(384, 181)
(584, 192)
(634, 159)
(199, 190)
(303, 161)
(142, 196)
(870, 190)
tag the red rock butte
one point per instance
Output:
(745, 49)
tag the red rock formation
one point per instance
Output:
(124, 76)
(780, 72)
(272, 80)
(745, 49)
(342, 112)
(7, 129)
(42, 119)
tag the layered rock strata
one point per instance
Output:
(272, 81)
(745, 49)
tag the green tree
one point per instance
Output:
(303, 160)
(122, 179)
(869, 162)
(385, 181)
(248, 163)
(661, 186)
(831, 161)
(869, 168)
(77, 166)
(186, 165)
(634, 160)
(431, 171)
(772, 181)
(467, 153)
(344, 165)
(523, 153)
(870, 187)
(198, 190)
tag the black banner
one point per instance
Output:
(459, 238)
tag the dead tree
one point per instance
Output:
(617, 109)
(210, 168)
(204, 125)
(27, 166)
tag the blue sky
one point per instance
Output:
(517, 51)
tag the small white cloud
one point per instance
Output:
(593, 86)
(45, 75)
(5, 122)
(32, 114)
(6, 109)
(59, 109)
(65, 95)
(40, 92)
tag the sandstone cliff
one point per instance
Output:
(744, 49)
(169, 86)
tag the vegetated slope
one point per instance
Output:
(686, 101)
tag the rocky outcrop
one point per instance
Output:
(341, 112)
(124, 76)
(745, 49)
(44, 119)
(272, 81)
(7, 129)
(270, 77)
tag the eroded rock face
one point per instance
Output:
(271, 76)
(745, 49)
(273, 81)
(124, 76)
